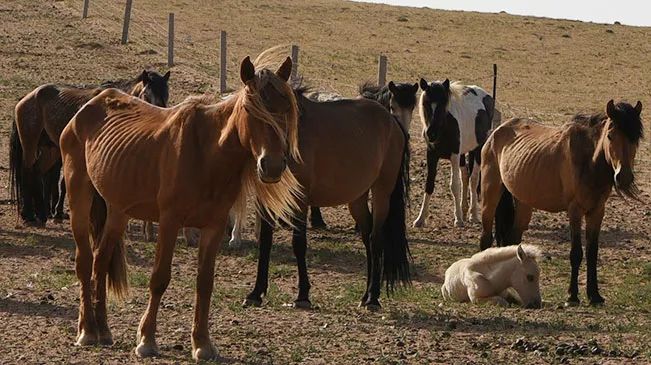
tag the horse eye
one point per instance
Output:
(530, 277)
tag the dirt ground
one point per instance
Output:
(549, 69)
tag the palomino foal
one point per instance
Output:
(486, 277)
(182, 166)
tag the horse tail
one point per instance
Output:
(15, 166)
(504, 217)
(117, 270)
(396, 246)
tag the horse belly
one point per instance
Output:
(125, 178)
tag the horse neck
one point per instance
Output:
(500, 273)
(600, 171)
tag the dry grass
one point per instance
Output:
(548, 69)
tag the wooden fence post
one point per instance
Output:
(382, 70)
(127, 19)
(84, 13)
(294, 63)
(170, 41)
(222, 63)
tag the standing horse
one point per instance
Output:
(399, 99)
(183, 166)
(348, 148)
(40, 117)
(456, 120)
(573, 168)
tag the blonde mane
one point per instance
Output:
(497, 254)
(278, 201)
(456, 90)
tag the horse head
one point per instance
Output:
(620, 137)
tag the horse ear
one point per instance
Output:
(521, 254)
(610, 109)
(166, 77)
(446, 84)
(638, 107)
(144, 77)
(392, 87)
(247, 70)
(423, 84)
(285, 70)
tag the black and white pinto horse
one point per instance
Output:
(398, 98)
(456, 121)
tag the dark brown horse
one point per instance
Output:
(349, 147)
(183, 166)
(40, 117)
(573, 168)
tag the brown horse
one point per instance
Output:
(183, 166)
(40, 117)
(572, 168)
(348, 148)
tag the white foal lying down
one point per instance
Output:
(487, 275)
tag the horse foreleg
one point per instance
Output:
(148, 231)
(209, 244)
(299, 245)
(491, 192)
(60, 205)
(592, 228)
(265, 239)
(146, 338)
(236, 234)
(455, 186)
(362, 216)
(464, 168)
(432, 164)
(377, 242)
(576, 255)
(316, 219)
(481, 290)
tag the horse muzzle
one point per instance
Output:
(270, 170)
(623, 179)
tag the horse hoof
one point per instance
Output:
(302, 304)
(147, 350)
(318, 225)
(86, 339)
(373, 307)
(459, 223)
(235, 243)
(571, 303)
(248, 302)
(206, 353)
(106, 340)
(419, 223)
(597, 301)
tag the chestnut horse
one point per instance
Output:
(182, 166)
(348, 148)
(40, 117)
(573, 168)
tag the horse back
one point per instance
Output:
(472, 111)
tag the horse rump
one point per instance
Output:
(396, 247)
(504, 218)
(117, 270)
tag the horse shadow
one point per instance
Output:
(33, 243)
(611, 237)
(31, 309)
(440, 322)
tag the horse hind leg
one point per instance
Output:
(109, 254)
(80, 199)
(473, 213)
(522, 218)
(465, 181)
(491, 193)
(299, 246)
(432, 166)
(362, 216)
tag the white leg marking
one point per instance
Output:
(424, 211)
(455, 187)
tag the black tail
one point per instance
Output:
(396, 246)
(504, 218)
(117, 272)
(15, 167)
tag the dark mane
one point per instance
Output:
(121, 84)
(381, 94)
(628, 121)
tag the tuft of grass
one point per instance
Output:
(138, 279)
